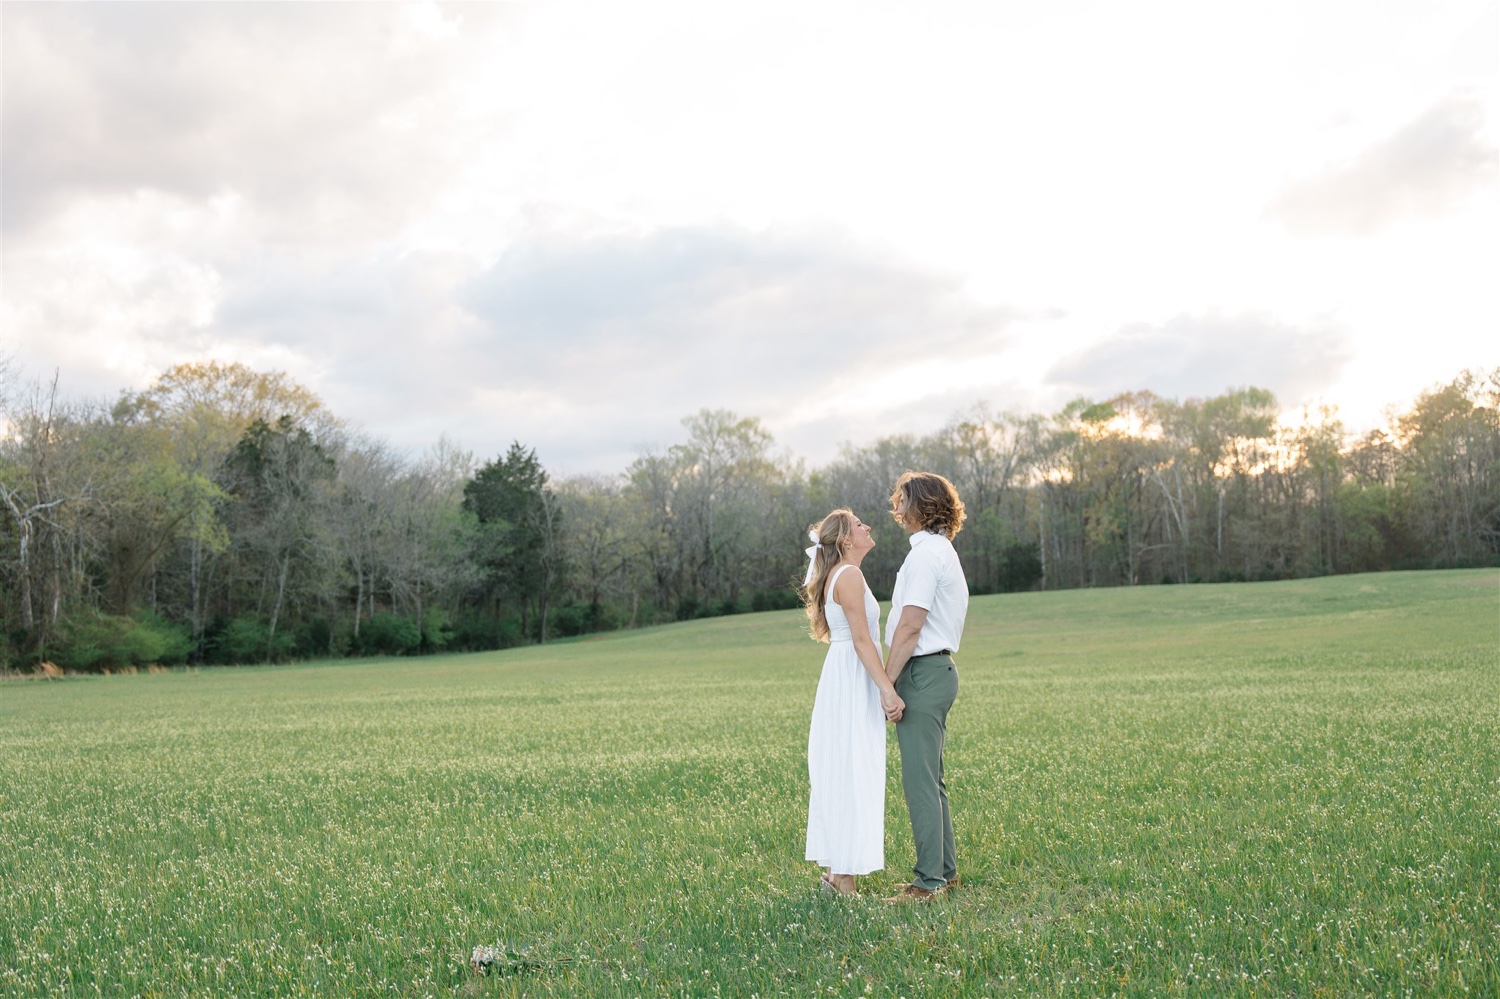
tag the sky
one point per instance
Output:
(574, 224)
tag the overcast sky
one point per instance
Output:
(573, 224)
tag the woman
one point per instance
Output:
(923, 629)
(846, 741)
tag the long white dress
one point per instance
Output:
(846, 753)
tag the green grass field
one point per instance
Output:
(1253, 789)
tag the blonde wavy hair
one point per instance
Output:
(833, 533)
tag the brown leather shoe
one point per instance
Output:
(954, 882)
(915, 893)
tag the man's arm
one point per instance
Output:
(904, 641)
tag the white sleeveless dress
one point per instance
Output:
(846, 753)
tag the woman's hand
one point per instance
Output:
(893, 704)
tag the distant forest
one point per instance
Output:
(223, 515)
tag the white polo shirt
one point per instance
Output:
(932, 579)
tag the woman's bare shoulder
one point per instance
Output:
(849, 572)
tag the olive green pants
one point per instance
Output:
(928, 685)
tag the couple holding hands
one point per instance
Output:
(913, 685)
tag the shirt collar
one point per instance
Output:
(919, 537)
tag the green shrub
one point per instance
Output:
(90, 641)
(583, 617)
(388, 635)
(314, 638)
(436, 630)
(247, 639)
(168, 644)
(475, 630)
(83, 643)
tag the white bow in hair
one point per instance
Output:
(812, 557)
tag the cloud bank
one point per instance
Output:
(573, 225)
(617, 337)
(1198, 356)
(305, 111)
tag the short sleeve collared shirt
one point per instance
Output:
(931, 578)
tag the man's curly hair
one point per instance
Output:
(931, 503)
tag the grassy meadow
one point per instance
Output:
(1250, 789)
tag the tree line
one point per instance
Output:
(224, 515)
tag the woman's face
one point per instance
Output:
(859, 537)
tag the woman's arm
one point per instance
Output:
(851, 597)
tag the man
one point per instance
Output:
(928, 607)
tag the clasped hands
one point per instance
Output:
(893, 705)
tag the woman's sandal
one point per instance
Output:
(829, 888)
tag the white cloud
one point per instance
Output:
(612, 338)
(310, 112)
(1427, 167)
(1200, 356)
